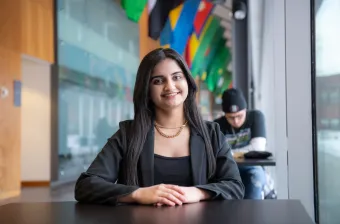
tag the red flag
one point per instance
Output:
(202, 15)
(203, 12)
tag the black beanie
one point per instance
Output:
(233, 101)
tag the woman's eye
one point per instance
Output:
(177, 77)
(157, 81)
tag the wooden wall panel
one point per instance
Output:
(37, 29)
(9, 126)
(10, 25)
(146, 44)
(10, 70)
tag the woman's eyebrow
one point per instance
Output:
(161, 76)
(156, 76)
(177, 72)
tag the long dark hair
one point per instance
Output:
(144, 112)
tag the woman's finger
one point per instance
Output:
(175, 188)
(171, 197)
(176, 194)
(165, 201)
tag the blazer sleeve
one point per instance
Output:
(226, 183)
(98, 184)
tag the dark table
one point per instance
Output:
(255, 162)
(213, 212)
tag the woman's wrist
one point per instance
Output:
(130, 198)
(203, 194)
(134, 195)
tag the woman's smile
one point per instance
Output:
(170, 95)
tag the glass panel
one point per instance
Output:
(98, 56)
(327, 32)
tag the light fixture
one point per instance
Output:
(239, 10)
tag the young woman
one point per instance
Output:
(167, 155)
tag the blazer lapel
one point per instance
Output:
(198, 158)
(146, 162)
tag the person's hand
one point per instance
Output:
(238, 154)
(192, 195)
(164, 194)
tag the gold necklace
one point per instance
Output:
(160, 126)
(170, 136)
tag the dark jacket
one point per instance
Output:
(102, 182)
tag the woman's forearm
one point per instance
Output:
(130, 198)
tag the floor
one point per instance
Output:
(43, 194)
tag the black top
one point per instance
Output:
(214, 212)
(172, 170)
(253, 126)
(104, 181)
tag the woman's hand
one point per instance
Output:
(164, 194)
(192, 195)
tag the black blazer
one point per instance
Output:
(102, 182)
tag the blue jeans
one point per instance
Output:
(254, 179)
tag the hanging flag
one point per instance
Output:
(202, 62)
(133, 8)
(224, 83)
(204, 10)
(200, 47)
(217, 68)
(179, 26)
(158, 14)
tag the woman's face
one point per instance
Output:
(168, 85)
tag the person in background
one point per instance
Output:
(245, 131)
(167, 155)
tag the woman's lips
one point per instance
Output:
(170, 94)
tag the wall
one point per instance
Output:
(146, 43)
(26, 26)
(35, 120)
(37, 29)
(10, 45)
(283, 93)
(268, 50)
(299, 106)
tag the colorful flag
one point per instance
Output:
(158, 15)
(217, 68)
(202, 62)
(204, 10)
(133, 8)
(201, 47)
(179, 26)
(223, 83)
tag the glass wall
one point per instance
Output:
(98, 56)
(327, 48)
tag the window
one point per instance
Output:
(98, 57)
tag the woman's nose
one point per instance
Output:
(169, 85)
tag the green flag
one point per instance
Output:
(133, 8)
(223, 83)
(210, 38)
(217, 43)
(217, 68)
